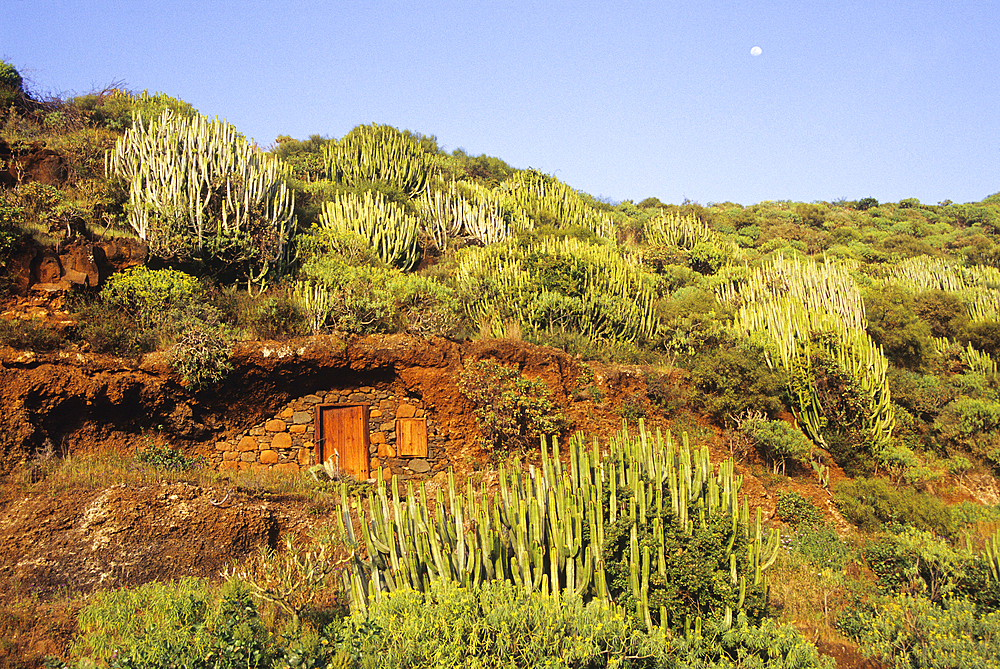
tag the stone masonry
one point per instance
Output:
(285, 442)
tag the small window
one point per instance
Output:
(411, 437)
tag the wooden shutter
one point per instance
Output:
(342, 430)
(411, 437)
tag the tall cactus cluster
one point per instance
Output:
(197, 184)
(978, 286)
(684, 232)
(591, 289)
(791, 301)
(544, 198)
(392, 233)
(548, 529)
(470, 211)
(371, 153)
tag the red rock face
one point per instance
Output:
(31, 162)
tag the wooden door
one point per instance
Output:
(411, 437)
(342, 434)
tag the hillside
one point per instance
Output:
(181, 308)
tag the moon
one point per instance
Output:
(756, 51)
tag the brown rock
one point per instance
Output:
(375, 413)
(269, 457)
(282, 440)
(258, 467)
(305, 457)
(298, 429)
(247, 444)
(386, 451)
(287, 468)
(301, 417)
(231, 455)
(377, 438)
(249, 456)
(275, 425)
(222, 446)
(228, 466)
(406, 411)
(287, 413)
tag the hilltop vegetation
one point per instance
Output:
(852, 334)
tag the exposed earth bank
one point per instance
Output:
(78, 539)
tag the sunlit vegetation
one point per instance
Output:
(855, 335)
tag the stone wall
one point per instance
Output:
(286, 442)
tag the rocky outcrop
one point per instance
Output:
(76, 262)
(21, 163)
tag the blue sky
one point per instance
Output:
(622, 100)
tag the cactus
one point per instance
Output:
(198, 185)
(371, 153)
(392, 233)
(544, 529)
(789, 301)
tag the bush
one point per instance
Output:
(819, 544)
(736, 379)
(512, 411)
(29, 335)
(148, 295)
(796, 510)
(910, 631)
(778, 440)
(10, 78)
(871, 503)
(495, 625)
(201, 355)
(176, 624)
(162, 456)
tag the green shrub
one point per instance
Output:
(10, 78)
(766, 646)
(148, 295)
(175, 624)
(512, 411)
(496, 625)
(871, 503)
(778, 440)
(737, 379)
(29, 335)
(796, 510)
(908, 631)
(201, 355)
(820, 545)
(162, 456)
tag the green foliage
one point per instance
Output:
(777, 439)
(201, 355)
(148, 295)
(767, 645)
(918, 562)
(305, 157)
(495, 625)
(866, 203)
(10, 78)
(155, 624)
(736, 379)
(908, 631)
(697, 576)
(176, 624)
(29, 335)
(819, 544)
(115, 108)
(971, 424)
(163, 456)
(566, 285)
(512, 410)
(894, 325)
(870, 503)
(796, 510)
